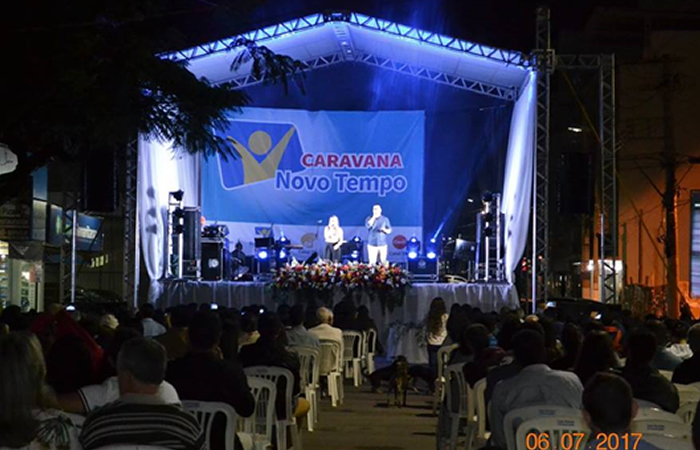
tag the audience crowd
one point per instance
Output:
(71, 380)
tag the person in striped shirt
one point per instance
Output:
(140, 416)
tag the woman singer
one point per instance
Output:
(333, 236)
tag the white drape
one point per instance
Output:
(517, 184)
(161, 171)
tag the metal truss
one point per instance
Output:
(313, 63)
(132, 251)
(608, 198)
(69, 223)
(501, 92)
(544, 65)
(608, 245)
(266, 34)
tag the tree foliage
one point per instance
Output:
(83, 76)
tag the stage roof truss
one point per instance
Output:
(323, 39)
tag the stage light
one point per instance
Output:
(431, 255)
(282, 254)
(575, 129)
(355, 255)
(413, 247)
(431, 250)
(262, 254)
(412, 254)
(470, 200)
(357, 239)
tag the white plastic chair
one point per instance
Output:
(443, 356)
(369, 349)
(560, 430)
(514, 418)
(205, 412)
(331, 360)
(481, 413)
(256, 431)
(459, 404)
(287, 421)
(667, 443)
(668, 374)
(310, 372)
(664, 428)
(352, 356)
(687, 412)
(657, 414)
(688, 393)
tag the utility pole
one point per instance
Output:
(669, 196)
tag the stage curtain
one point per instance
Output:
(161, 171)
(517, 184)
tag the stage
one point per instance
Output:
(400, 329)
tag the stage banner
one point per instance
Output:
(296, 168)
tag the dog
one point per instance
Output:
(399, 382)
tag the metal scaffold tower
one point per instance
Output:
(132, 253)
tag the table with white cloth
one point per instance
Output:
(401, 329)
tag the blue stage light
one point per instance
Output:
(355, 254)
(262, 254)
(432, 248)
(357, 239)
(282, 254)
(413, 247)
(412, 254)
(431, 255)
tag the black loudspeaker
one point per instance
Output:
(575, 184)
(213, 259)
(423, 269)
(192, 247)
(100, 192)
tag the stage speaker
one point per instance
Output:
(423, 269)
(213, 259)
(575, 184)
(192, 246)
(99, 192)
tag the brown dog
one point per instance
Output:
(399, 382)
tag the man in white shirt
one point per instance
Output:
(536, 384)
(151, 328)
(327, 332)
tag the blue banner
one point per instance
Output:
(296, 168)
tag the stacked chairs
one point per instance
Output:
(331, 367)
(309, 359)
(286, 422)
(205, 412)
(459, 408)
(369, 349)
(256, 431)
(352, 356)
(443, 357)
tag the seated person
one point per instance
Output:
(664, 359)
(151, 328)
(204, 375)
(688, 371)
(297, 335)
(270, 350)
(536, 384)
(140, 417)
(29, 416)
(325, 331)
(175, 339)
(249, 328)
(485, 357)
(608, 408)
(647, 383)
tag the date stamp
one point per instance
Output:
(577, 441)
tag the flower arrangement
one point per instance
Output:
(386, 282)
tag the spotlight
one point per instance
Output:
(282, 254)
(413, 247)
(431, 255)
(262, 254)
(357, 239)
(412, 254)
(432, 249)
(355, 255)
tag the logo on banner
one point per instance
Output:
(399, 242)
(263, 148)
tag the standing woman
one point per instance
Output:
(333, 235)
(436, 324)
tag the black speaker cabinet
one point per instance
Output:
(213, 259)
(423, 269)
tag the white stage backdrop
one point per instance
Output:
(517, 187)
